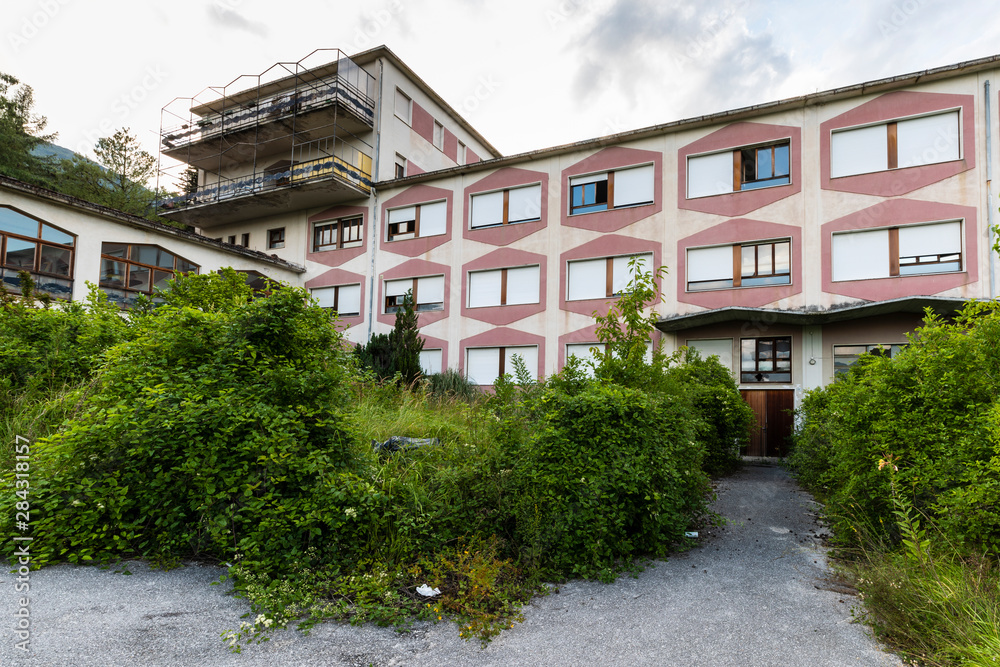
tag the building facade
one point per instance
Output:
(798, 234)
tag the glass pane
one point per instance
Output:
(115, 250)
(764, 259)
(60, 288)
(765, 366)
(144, 253)
(20, 254)
(782, 257)
(783, 365)
(783, 348)
(896, 349)
(165, 259)
(765, 349)
(112, 273)
(50, 233)
(160, 279)
(781, 160)
(184, 266)
(748, 260)
(15, 223)
(138, 278)
(748, 355)
(780, 377)
(764, 162)
(55, 260)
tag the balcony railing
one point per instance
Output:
(352, 88)
(345, 163)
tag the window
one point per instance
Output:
(276, 238)
(766, 359)
(718, 347)
(614, 189)
(245, 240)
(746, 168)
(507, 207)
(740, 265)
(483, 365)
(402, 106)
(438, 136)
(428, 293)
(587, 354)
(344, 299)
(845, 356)
(431, 361)
(400, 166)
(602, 278)
(503, 287)
(337, 234)
(231, 240)
(460, 158)
(45, 251)
(898, 251)
(128, 270)
(418, 221)
(897, 144)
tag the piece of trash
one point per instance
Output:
(427, 591)
(398, 443)
(691, 534)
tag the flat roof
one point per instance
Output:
(941, 305)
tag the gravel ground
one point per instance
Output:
(756, 592)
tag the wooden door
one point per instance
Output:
(772, 425)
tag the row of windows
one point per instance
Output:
(896, 251)
(762, 360)
(587, 279)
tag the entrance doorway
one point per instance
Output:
(772, 423)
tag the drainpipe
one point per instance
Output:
(374, 198)
(990, 230)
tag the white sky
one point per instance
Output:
(528, 74)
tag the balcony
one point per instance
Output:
(287, 99)
(323, 172)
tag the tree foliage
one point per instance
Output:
(398, 351)
(118, 179)
(21, 131)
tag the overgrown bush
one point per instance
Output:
(210, 434)
(934, 409)
(397, 352)
(611, 473)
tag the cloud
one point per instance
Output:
(706, 54)
(223, 13)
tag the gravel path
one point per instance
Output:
(755, 594)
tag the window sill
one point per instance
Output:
(609, 210)
(885, 171)
(688, 290)
(908, 275)
(738, 192)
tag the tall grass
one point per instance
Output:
(926, 597)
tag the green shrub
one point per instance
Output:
(933, 408)
(610, 474)
(726, 417)
(209, 434)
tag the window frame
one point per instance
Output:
(758, 375)
(871, 348)
(503, 286)
(245, 239)
(408, 119)
(276, 238)
(896, 262)
(738, 277)
(394, 307)
(338, 228)
(390, 235)
(739, 182)
(608, 191)
(40, 243)
(437, 136)
(892, 140)
(609, 277)
(336, 298)
(129, 262)
(503, 358)
(506, 206)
